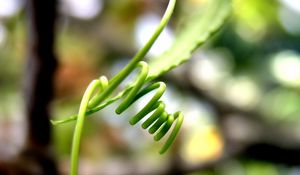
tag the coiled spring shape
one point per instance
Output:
(159, 121)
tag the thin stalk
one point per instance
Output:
(79, 125)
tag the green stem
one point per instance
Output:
(138, 57)
(79, 125)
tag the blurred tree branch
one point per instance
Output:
(39, 75)
(36, 157)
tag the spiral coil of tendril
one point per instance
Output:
(159, 122)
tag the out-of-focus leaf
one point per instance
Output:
(197, 28)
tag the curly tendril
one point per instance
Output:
(158, 123)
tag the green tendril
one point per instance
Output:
(79, 124)
(159, 122)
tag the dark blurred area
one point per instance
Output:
(240, 93)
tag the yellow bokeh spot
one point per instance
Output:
(204, 144)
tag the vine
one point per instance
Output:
(160, 121)
(198, 29)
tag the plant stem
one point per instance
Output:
(79, 125)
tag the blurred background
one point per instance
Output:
(240, 93)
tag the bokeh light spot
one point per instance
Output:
(86, 9)
(285, 67)
(242, 92)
